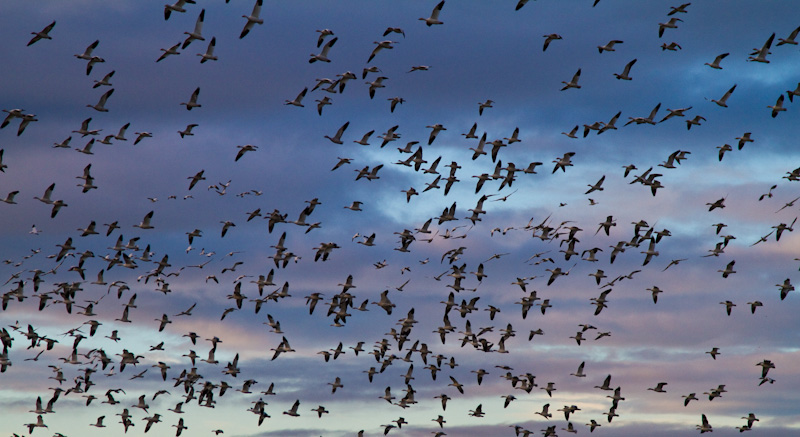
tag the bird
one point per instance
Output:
(723, 101)
(44, 34)
(777, 107)
(209, 54)
(573, 83)
(626, 71)
(197, 33)
(484, 105)
(297, 100)
(609, 47)
(252, 19)
(704, 426)
(761, 54)
(714, 352)
(293, 411)
(671, 24)
(337, 138)
(380, 45)
(192, 103)
(145, 223)
(548, 39)
(677, 9)
(244, 149)
(173, 50)
(105, 81)
(717, 60)
(434, 18)
(323, 55)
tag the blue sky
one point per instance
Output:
(482, 52)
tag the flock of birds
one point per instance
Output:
(75, 281)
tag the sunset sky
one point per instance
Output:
(526, 229)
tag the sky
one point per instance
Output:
(698, 212)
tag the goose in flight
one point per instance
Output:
(323, 55)
(790, 40)
(145, 223)
(572, 83)
(45, 34)
(209, 54)
(545, 412)
(252, 19)
(168, 52)
(188, 131)
(717, 60)
(777, 107)
(100, 106)
(673, 46)
(105, 80)
(380, 45)
(140, 136)
(694, 122)
(395, 101)
(322, 35)
(728, 269)
(705, 426)
(197, 33)
(675, 9)
(434, 18)
(723, 101)
(87, 54)
(337, 139)
(626, 71)
(671, 24)
(563, 162)
(375, 84)
(293, 411)
(548, 39)
(244, 149)
(177, 7)
(609, 47)
(297, 100)
(192, 103)
(761, 55)
(484, 105)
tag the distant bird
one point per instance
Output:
(717, 60)
(244, 149)
(671, 24)
(323, 55)
(252, 19)
(626, 71)
(434, 18)
(761, 55)
(572, 83)
(209, 54)
(337, 138)
(168, 52)
(677, 9)
(45, 34)
(609, 47)
(549, 38)
(297, 100)
(197, 33)
(790, 40)
(192, 103)
(100, 106)
(177, 7)
(723, 101)
(777, 107)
